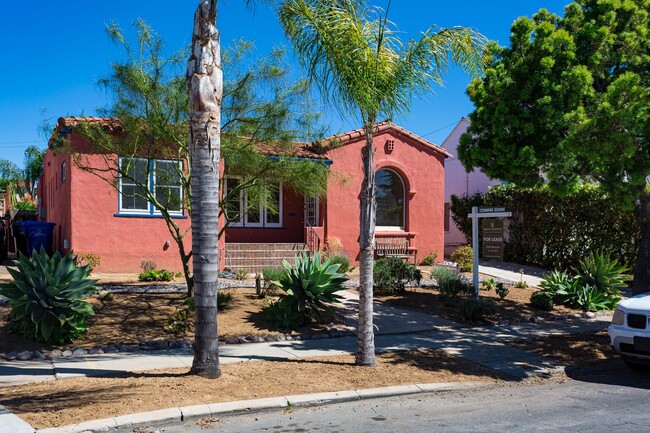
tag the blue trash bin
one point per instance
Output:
(39, 234)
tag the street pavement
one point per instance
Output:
(607, 401)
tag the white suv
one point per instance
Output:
(630, 331)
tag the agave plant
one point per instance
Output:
(46, 297)
(310, 287)
(604, 273)
(557, 284)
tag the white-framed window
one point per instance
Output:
(391, 203)
(243, 213)
(162, 177)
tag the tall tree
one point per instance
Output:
(354, 55)
(147, 93)
(567, 103)
(22, 181)
(205, 87)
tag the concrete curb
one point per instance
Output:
(246, 406)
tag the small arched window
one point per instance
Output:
(391, 201)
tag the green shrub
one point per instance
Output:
(589, 298)
(241, 274)
(181, 321)
(156, 275)
(25, 205)
(392, 274)
(339, 259)
(604, 273)
(489, 284)
(309, 287)
(476, 310)
(429, 260)
(285, 318)
(502, 290)
(541, 301)
(581, 222)
(557, 285)
(581, 291)
(46, 297)
(269, 275)
(464, 257)
(224, 298)
(450, 284)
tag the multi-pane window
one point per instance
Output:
(390, 200)
(311, 211)
(243, 211)
(162, 177)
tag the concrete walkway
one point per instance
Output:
(510, 271)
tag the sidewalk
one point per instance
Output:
(510, 271)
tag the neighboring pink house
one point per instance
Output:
(91, 216)
(459, 182)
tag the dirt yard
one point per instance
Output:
(515, 308)
(70, 401)
(129, 318)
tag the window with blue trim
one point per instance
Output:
(139, 177)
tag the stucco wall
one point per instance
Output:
(120, 242)
(459, 182)
(422, 170)
(54, 197)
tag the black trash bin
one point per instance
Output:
(39, 234)
(18, 232)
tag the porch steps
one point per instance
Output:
(255, 257)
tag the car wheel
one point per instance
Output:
(636, 366)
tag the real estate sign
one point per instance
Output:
(492, 239)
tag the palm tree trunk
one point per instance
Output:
(368, 209)
(205, 86)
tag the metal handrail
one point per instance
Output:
(311, 237)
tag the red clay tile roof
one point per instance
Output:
(347, 137)
(69, 122)
(298, 150)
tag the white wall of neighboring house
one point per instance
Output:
(459, 182)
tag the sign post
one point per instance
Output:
(485, 212)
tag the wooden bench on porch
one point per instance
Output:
(395, 247)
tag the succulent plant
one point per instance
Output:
(46, 297)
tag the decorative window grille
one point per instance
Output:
(390, 145)
(311, 211)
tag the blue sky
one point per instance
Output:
(53, 53)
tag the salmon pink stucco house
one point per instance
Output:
(93, 216)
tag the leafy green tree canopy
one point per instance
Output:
(567, 103)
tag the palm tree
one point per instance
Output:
(205, 84)
(355, 57)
